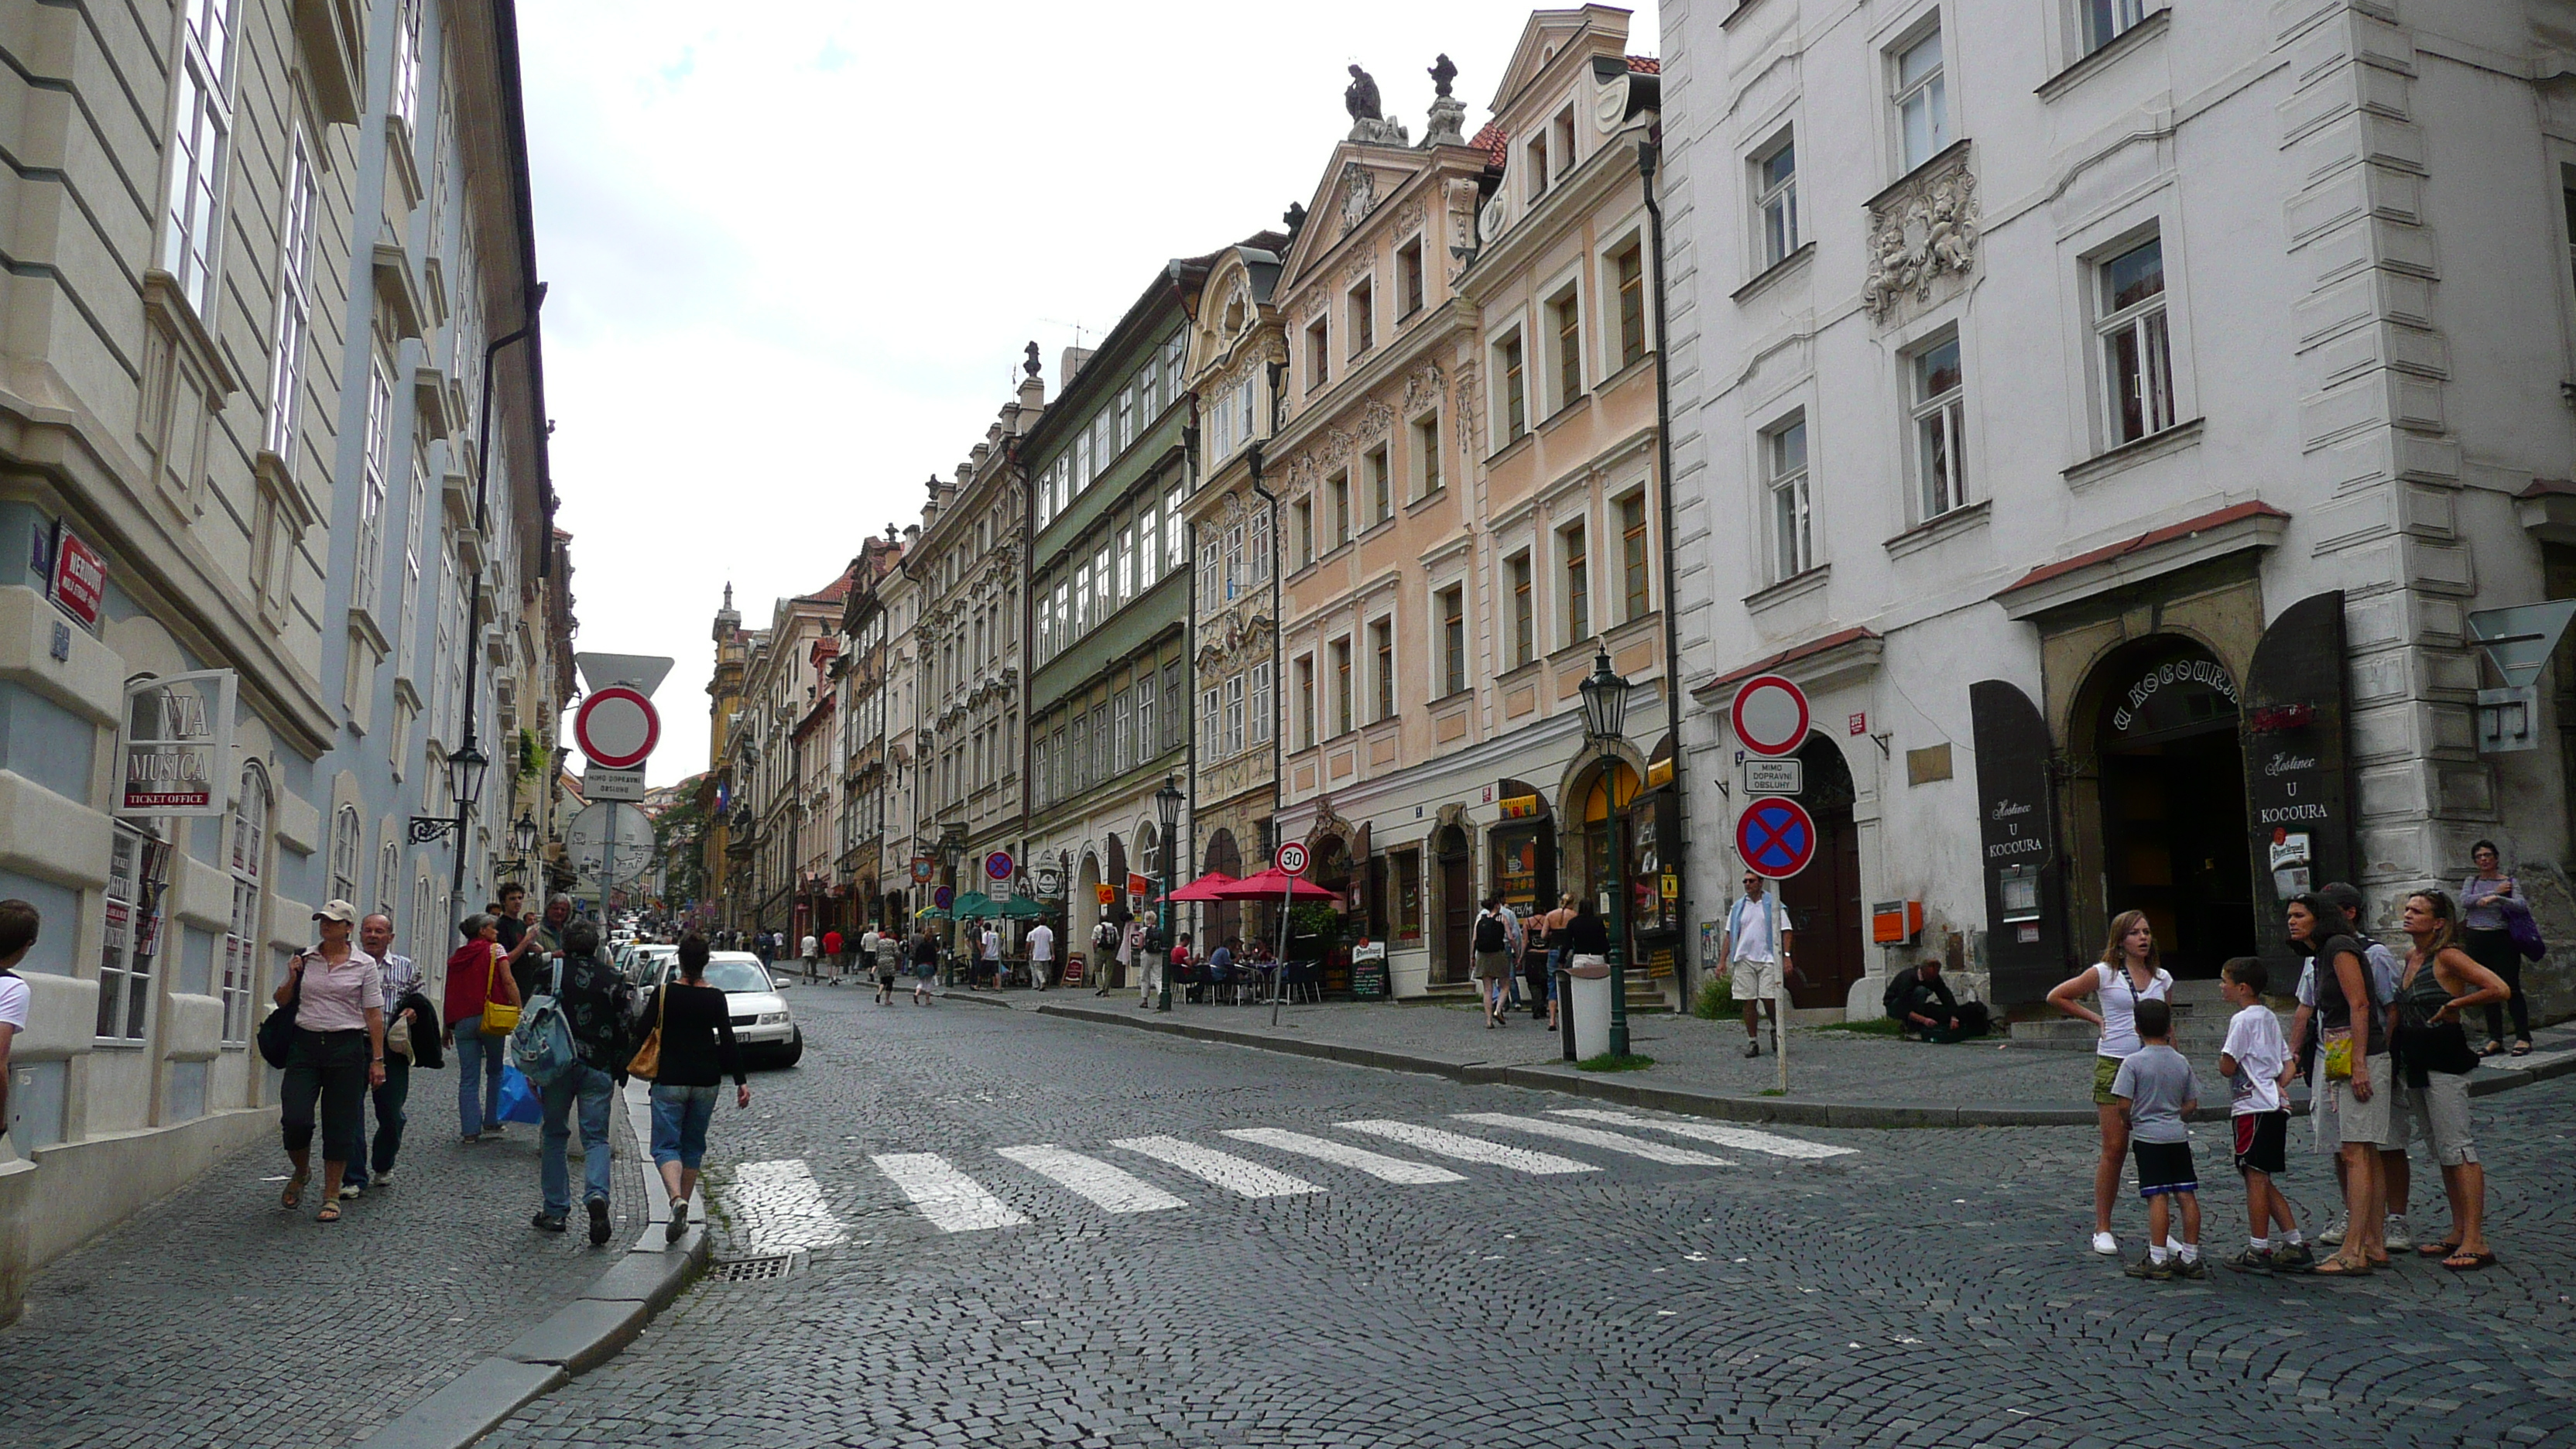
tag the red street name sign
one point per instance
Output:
(80, 579)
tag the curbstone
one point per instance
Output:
(471, 1405)
(582, 1335)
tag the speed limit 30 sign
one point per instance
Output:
(1291, 858)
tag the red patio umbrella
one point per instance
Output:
(1270, 885)
(1205, 888)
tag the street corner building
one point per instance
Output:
(277, 560)
(2128, 496)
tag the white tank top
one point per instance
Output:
(2120, 1007)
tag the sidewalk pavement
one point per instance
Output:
(1836, 1078)
(217, 1317)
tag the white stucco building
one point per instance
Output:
(2111, 414)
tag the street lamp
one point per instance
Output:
(1605, 710)
(465, 770)
(1167, 805)
(523, 835)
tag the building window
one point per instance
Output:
(406, 619)
(406, 91)
(1515, 406)
(1211, 720)
(1516, 570)
(1126, 417)
(1301, 519)
(1536, 168)
(1941, 427)
(1337, 491)
(346, 861)
(1922, 105)
(388, 866)
(428, 930)
(1231, 575)
(371, 507)
(1233, 716)
(1306, 696)
(1256, 546)
(1381, 485)
(1565, 319)
(2107, 20)
(1127, 562)
(1342, 702)
(1176, 710)
(1775, 202)
(1784, 463)
(1561, 132)
(1629, 267)
(1382, 655)
(1634, 575)
(1408, 895)
(1578, 584)
(1123, 754)
(1149, 547)
(2137, 355)
(136, 865)
(247, 859)
(1426, 455)
(1453, 639)
(1318, 355)
(294, 301)
(1100, 741)
(1261, 708)
(1363, 316)
(1408, 279)
(200, 151)
(1176, 544)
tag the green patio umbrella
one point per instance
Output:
(1020, 908)
(971, 905)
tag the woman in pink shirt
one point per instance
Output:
(338, 1053)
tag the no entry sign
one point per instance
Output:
(1770, 715)
(617, 727)
(1776, 837)
(1291, 858)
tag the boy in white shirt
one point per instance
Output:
(2256, 1063)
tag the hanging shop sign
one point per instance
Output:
(2025, 921)
(174, 748)
(2297, 776)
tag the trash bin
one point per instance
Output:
(1586, 1000)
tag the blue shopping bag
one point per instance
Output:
(519, 1099)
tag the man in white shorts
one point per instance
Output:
(1756, 951)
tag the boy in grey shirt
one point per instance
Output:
(2155, 1087)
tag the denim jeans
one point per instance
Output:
(390, 1116)
(590, 1087)
(680, 1117)
(478, 1067)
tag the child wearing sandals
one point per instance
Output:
(2256, 1063)
(2155, 1088)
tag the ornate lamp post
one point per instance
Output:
(465, 770)
(1605, 711)
(1167, 806)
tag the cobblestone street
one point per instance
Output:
(1005, 1229)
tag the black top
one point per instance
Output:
(1910, 986)
(594, 1000)
(697, 1037)
(1587, 937)
(2335, 1012)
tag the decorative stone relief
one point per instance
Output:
(1923, 230)
(1421, 386)
(1464, 408)
(1460, 196)
(1376, 418)
(1359, 195)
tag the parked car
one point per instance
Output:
(763, 1028)
(638, 962)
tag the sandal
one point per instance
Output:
(2492, 1049)
(330, 1212)
(2340, 1268)
(2522, 1048)
(2469, 1262)
(2439, 1250)
(294, 1194)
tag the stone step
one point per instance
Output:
(2199, 1028)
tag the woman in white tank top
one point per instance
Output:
(2131, 970)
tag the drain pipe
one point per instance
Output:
(1649, 156)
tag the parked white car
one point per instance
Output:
(763, 1028)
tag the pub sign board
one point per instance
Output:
(2298, 796)
(174, 745)
(2017, 836)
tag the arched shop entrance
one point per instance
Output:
(1523, 844)
(1223, 918)
(1457, 904)
(1823, 901)
(2169, 783)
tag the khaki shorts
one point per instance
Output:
(2438, 1112)
(1493, 965)
(2327, 1121)
(2106, 1070)
(2368, 1121)
(1755, 980)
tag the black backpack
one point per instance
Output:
(1490, 935)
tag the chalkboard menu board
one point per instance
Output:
(1368, 973)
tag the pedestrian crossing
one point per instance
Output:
(1136, 1175)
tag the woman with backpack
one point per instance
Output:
(697, 1050)
(1493, 960)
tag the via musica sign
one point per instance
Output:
(174, 745)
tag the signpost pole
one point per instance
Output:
(1780, 1019)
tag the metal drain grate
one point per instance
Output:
(766, 1269)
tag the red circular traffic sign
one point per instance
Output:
(998, 865)
(617, 727)
(1291, 857)
(1770, 715)
(1776, 837)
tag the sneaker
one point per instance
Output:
(2106, 1245)
(2332, 1237)
(1753, 1046)
(547, 1222)
(2293, 1258)
(350, 1190)
(2251, 1260)
(2150, 1269)
(493, 1134)
(598, 1222)
(384, 1175)
(2399, 1240)
(2196, 1269)
(679, 1224)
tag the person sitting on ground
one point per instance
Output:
(1919, 1001)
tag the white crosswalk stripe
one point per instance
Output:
(1743, 1137)
(1594, 1137)
(1459, 1148)
(952, 1201)
(1109, 1188)
(1234, 1174)
(1342, 1154)
(781, 1207)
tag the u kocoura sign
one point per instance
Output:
(174, 745)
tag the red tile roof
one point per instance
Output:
(1789, 655)
(1645, 65)
(2167, 534)
(1494, 141)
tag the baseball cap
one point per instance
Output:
(340, 911)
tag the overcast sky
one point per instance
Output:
(795, 249)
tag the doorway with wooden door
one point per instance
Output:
(1457, 905)
(1823, 901)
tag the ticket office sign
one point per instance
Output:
(175, 744)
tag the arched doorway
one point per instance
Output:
(1083, 916)
(1524, 850)
(1597, 873)
(1224, 918)
(1823, 901)
(2170, 786)
(1457, 904)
